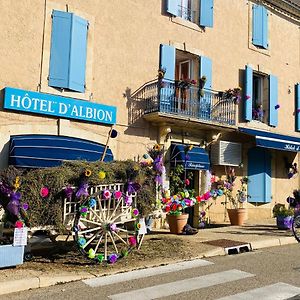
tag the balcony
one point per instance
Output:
(172, 99)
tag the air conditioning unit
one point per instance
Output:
(226, 153)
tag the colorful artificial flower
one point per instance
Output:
(92, 202)
(112, 258)
(68, 192)
(83, 211)
(145, 156)
(25, 206)
(87, 172)
(138, 226)
(44, 192)
(135, 212)
(128, 200)
(187, 182)
(132, 241)
(82, 190)
(81, 241)
(156, 147)
(19, 224)
(124, 252)
(91, 253)
(106, 194)
(117, 195)
(101, 175)
(113, 227)
(100, 257)
(17, 183)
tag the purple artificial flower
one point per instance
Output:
(203, 213)
(128, 200)
(132, 187)
(25, 206)
(113, 227)
(113, 258)
(13, 205)
(68, 192)
(158, 179)
(82, 190)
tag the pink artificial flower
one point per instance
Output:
(106, 194)
(206, 196)
(44, 192)
(128, 200)
(135, 212)
(248, 97)
(118, 195)
(132, 241)
(187, 182)
(19, 224)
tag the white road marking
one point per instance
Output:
(181, 286)
(277, 291)
(136, 274)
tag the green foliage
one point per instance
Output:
(49, 210)
(281, 210)
(177, 179)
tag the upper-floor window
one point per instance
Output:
(260, 26)
(68, 51)
(261, 97)
(196, 11)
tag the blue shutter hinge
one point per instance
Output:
(88, 25)
(84, 85)
(48, 77)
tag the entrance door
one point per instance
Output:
(259, 175)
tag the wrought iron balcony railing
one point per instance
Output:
(186, 100)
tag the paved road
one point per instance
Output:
(273, 273)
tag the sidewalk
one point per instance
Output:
(157, 249)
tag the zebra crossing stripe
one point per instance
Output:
(186, 285)
(277, 291)
(136, 274)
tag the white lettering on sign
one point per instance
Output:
(47, 104)
(291, 147)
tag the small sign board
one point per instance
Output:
(142, 226)
(20, 236)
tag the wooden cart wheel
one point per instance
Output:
(105, 227)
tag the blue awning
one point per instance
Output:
(195, 159)
(41, 151)
(273, 140)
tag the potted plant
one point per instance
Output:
(237, 213)
(174, 207)
(284, 216)
(294, 202)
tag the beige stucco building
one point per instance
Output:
(254, 45)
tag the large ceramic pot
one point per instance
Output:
(284, 222)
(176, 223)
(237, 216)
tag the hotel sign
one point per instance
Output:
(57, 106)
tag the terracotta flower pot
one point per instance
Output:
(176, 223)
(237, 216)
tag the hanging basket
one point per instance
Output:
(176, 223)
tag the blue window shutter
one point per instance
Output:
(60, 49)
(248, 93)
(167, 93)
(273, 100)
(206, 14)
(297, 111)
(259, 26)
(68, 51)
(78, 54)
(259, 175)
(206, 70)
(173, 7)
(167, 61)
(265, 28)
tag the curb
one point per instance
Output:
(19, 285)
